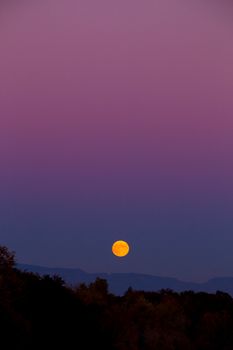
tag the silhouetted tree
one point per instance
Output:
(7, 260)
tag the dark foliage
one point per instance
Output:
(42, 312)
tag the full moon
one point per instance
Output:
(120, 248)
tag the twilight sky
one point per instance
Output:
(116, 122)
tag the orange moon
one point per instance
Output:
(120, 248)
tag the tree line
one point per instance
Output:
(43, 312)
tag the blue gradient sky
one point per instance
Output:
(116, 123)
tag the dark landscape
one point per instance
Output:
(41, 311)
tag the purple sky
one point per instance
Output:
(116, 122)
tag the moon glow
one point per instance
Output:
(120, 248)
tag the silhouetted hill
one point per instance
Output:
(120, 282)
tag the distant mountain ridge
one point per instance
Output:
(120, 282)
